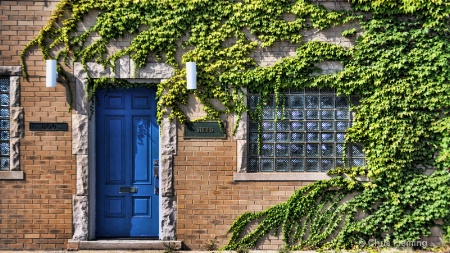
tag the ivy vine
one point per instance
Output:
(399, 67)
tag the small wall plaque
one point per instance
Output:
(204, 130)
(48, 126)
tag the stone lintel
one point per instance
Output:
(154, 71)
(98, 70)
(78, 71)
(10, 71)
(123, 67)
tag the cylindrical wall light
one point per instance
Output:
(51, 74)
(191, 75)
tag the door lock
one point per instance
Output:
(156, 190)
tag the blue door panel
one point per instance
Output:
(142, 206)
(115, 206)
(141, 102)
(142, 150)
(114, 148)
(115, 101)
(127, 143)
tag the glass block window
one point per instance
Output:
(4, 124)
(307, 136)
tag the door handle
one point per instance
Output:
(156, 168)
(125, 189)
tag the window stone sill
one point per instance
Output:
(279, 176)
(12, 175)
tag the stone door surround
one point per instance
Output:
(83, 147)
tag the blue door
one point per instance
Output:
(126, 163)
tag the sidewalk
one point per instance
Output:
(141, 251)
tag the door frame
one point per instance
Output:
(83, 147)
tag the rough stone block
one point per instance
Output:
(329, 67)
(97, 70)
(168, 137)
(15, 154)
(82, 175)
(241, 131)
(79, 71)
(241, 146)
(80, 134)
(80, 218)
(123, 68)
(155, 71)
(166, 181)
(17, 127)
(82, 105)
(14, 91)
(168, 223)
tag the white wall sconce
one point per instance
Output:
(51, 74)
(191, 75)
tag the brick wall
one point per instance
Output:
(36, 213)
(209, 200)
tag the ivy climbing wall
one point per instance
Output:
(394, 55)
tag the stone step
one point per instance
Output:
(123, 245)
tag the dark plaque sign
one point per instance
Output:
(48, 126)
(204, 130)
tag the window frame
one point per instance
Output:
(16, 122)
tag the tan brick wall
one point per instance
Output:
(208, 200)
(36, 213)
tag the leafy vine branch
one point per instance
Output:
(399, 67)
